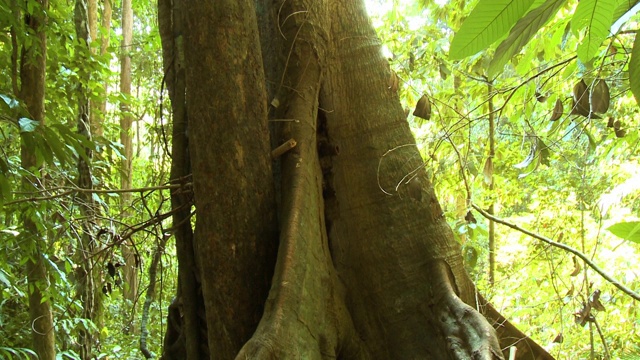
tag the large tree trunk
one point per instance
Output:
(32, 82)
(367, 266)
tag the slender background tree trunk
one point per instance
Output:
(185, 338)
(32, 82)
(126, 119)
(88, 274)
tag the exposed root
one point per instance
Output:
(466, 331)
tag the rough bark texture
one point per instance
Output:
(235, 231)
(88, 274)
(365, 268)
(394, 250)
(184, 338)
(32, 82)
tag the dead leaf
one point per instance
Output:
(423, 108)
(488, 171)
(580, 99)
(610, 122)
(557, 111)
(617, 125)
(576, 267)
(600, 97)
(470, 219)
(595, 301)
(558, 339)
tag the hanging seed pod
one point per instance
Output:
(540, 97)
(488, 171)
(580, 99)
(617, 127)
(423, 108)
(557, 111)
(600, 97)
(610, 122)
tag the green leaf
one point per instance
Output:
(634, 70)
(626, 230)
(27, 125)
(487, 23)
(12, 103)
(59, 149)
(623, 7)
(597, 17)
(4, 279)
(522, 32)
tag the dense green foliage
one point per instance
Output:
(53, 202)
(565, 166)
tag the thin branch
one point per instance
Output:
(73, 190)
(575, 252)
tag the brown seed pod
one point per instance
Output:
(580, 99)
(541, 97)
(610, 122)
(620, 133)
(617, 125)
(600, 97)
(423, 108)
(557, 111)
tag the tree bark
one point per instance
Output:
(98, 111)
(367, 266)
(233, 171)
(129, 269)
(88, 272)
(32, 92)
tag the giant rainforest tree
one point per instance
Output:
(317, 231)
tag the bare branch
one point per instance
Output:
(568, 248)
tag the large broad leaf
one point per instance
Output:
(634, 70)
(488, 22)
(597, 17)
(522, 32)
(626, 230)
(623, 12)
